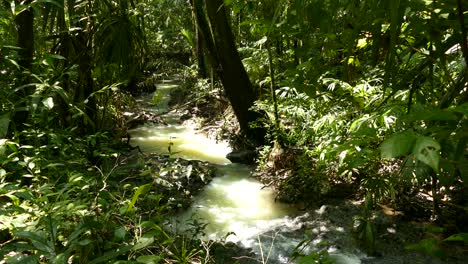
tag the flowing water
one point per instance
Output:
(233, 201)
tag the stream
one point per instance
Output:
(234, 206)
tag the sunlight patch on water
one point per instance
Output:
(184, 143)
(236, 203)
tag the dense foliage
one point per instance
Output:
(369, 94)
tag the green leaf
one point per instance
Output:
(48, 102)
(54, 2)
(141, 190)
(399, 144)
(463, 237)
(39, 242)
(463, 108)
(431, 115)
(120, 233)
(143, 242)
(427, 150)
(14, 63)
(228, 2)
(4, 123)
(22, 259)
(112, 254)
(10, 195)
(429, 246)
(149, 259)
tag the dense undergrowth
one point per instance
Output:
(361, 99)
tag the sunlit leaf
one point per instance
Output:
(14, 63)
(22, 259)
(362, 43)
(399, 144)
(141, 190)
(427, 150)
(48, 102)
(10, 195)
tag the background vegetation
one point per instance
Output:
(354, 97)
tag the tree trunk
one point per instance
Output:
(232, 73)
(25, 41)
(85, 88)
(25, 24)
(200, 55)
(204, 33)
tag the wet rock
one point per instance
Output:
(242, 156)
(232, 253)
(180, 180)
(144, 117)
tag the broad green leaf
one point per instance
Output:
(431, 115)
(399, 144)
(427, 150)
(143, 242)
(120, 233)
(461, 109)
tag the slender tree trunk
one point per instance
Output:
(25, 41)
(233, 76)
(25, 24)
(86, 84)
(204, 36)
(200, 55)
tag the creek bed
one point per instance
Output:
(235, 207)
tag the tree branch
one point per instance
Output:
(464, 42)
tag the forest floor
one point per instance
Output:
(333, 218)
